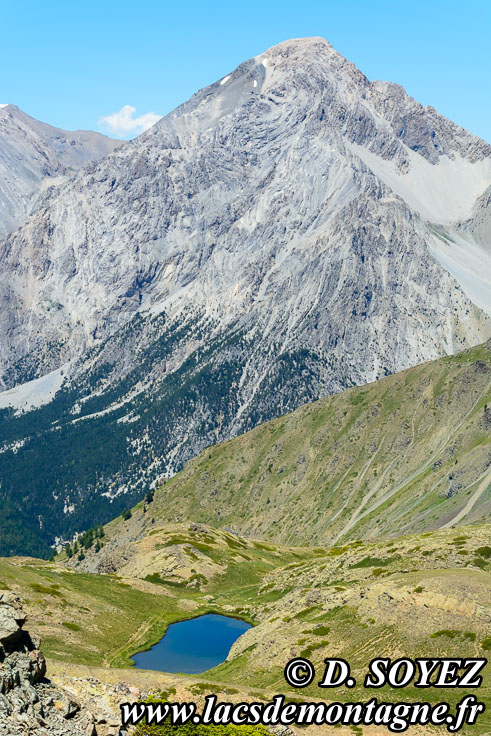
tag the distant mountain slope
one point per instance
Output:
(31, 152)
(410, 453)
(292, 230)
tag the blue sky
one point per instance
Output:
(72, 63)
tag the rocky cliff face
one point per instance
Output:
(29, 702)
(293, 193)
(34, 155)
(291, 230)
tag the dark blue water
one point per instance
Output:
(193, 646)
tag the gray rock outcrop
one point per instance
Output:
(31, 705)
(294, 194)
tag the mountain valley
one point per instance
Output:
(361, 600)
(394, 481)
(408, 453)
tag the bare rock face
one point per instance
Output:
(34, 155)
(29, 703)
(293, 194)
(12, 618)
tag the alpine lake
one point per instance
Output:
(193, 646)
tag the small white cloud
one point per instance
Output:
(123, 124)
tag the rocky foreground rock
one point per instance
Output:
(29, 702)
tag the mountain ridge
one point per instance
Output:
(34, 155)
(259, 248)
(151, 271)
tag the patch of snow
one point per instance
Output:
(34, 393)
(255, 83)
(443, 192)
(111, 408)
(112, 494)
(5, 105)
(225, 79)
(168, 270)
(101, 413)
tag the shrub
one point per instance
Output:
(192, 729)
(320, 630)
(450, 633)
(46, 590)
(70, 625)
(307, 652)
(375, 562)
(306, 612)
(479, 562)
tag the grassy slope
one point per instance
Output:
(422, 595)
(102, 619)
(405, 454)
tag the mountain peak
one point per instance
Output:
(291, 230)
(300, 44)
(310, 51)
(33, 152)
(300, 51)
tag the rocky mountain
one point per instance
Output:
(292, 230)
(33, 156)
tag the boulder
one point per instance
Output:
(12, 618)
(29, 703)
